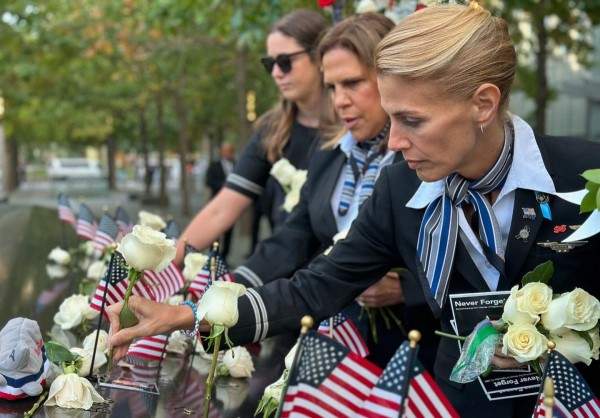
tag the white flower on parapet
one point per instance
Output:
(575, 348)
(85, 360)
(88, 342)
(512, 314)
(178, 343)
(151, 220)
(273, 391)
(175, 300)
(289, 358)
(577, 310)
(193, 263)
(73, 311)
(56, 271)
(96, 270)
(283, 171)
(59, 256)
(219, 305)
(366, 6)
(523, 342)
(232, 396)
(72, 391)
(147, 249)
(239, 362)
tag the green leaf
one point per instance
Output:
(587, 337)
(588, 203)
(58, 353)
(592, 187)
(592, 175)
(598, 199)
(541, 273)
(535, 365)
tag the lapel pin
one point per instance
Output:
(559, 229)
(544, 201)
(574, 227)
(529, 213)
(561, 247)
(524, 233)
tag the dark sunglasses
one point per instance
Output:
(283, 61)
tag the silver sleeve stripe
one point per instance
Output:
(262, 328)
(244, 183)
(249, 275)
(256, 317)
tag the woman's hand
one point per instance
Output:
(502, 361)
(387, 291)
(154, 318)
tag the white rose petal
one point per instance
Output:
(72, 391)
(175, 300)
(219, 305)
(576, 310)
(291, 200)
(298, 179)
(88, 342)
(573, 347)
(283, 171)
(239, 362)
(96, 270)
(151, 220)
(289, 358)
(59, 256)
(512, 314)
(273, 391)
(56, 271)
(86, 360)
(534, 299)
(523, 342)
(147, 249)
(178, 343)
(193, 263)
(73, 311)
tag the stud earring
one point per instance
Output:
(481, 127)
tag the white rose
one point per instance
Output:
(56, 271)
(73, 311)
(175, 300)
(523, 342)
(88, 248)
(576, 310)
(59, 256)
(273, 391)
(193, 263)
(289, 358)
(298, 179)
(283, 171)
(231, 396)
(512, 314)
(574, 347)
(291, 200)
(178, 343)
(88, 342)
(534, 299)
(239, 362)
(85, 360)
(151, 220)
(96, 270)
(219, 304)
(72, 391)
(147, 249)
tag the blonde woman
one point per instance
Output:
(289, 130)
(444, 76)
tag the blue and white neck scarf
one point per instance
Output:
(438, 234)
(363, 161)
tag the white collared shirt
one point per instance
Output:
(527, 171)
(343, 222)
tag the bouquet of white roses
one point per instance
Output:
(532, 316)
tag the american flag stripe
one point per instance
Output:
(165, 283)
(116, 294)
(424, 398)
(148, 348)
(382, 404)
(124, 227)
(85, 229)
(590, 410)
(348, 334)
(101, 240)
(66, 215)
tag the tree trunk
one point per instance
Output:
(111, 149)
(10, 172)
(148, 173)
(183, 146)
(241, 76)
(163, 199)
(541, 99)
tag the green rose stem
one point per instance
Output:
(452, 336)
(36, 405)
(211, 375)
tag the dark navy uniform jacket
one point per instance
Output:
(385, 235)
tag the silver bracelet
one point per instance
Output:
(194, 332)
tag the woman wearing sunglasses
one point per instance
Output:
(340, 178)
(444, 75)
(289, 130)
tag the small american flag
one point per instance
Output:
(123, 221)
(200, 283)
(165, 283)
(65, 212)
(148, 348)
(115, 283)
(86, 223)
(172, 230)
(424, 399)
(328, 381)
(572, 395)
(106, 233)
(346, 333)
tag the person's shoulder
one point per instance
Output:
(570, 153)
(401, 180)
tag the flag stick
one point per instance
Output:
(414, 337)
(307, 323)
(102, 309)
(549, 397)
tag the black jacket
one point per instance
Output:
(385, 235)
